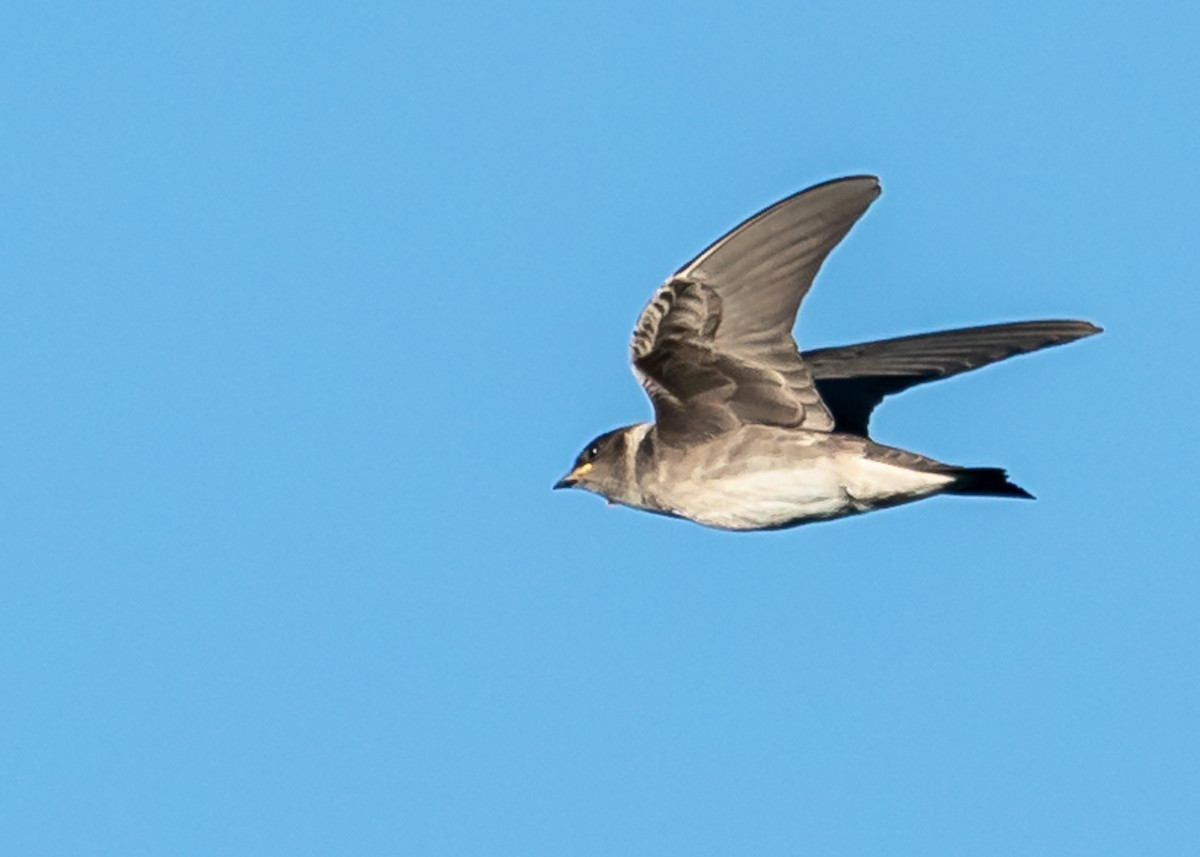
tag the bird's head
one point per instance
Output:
(604, 467)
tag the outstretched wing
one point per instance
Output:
(853, 379)
(714, 347)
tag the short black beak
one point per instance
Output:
(565, 482)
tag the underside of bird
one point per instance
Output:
(742, 416)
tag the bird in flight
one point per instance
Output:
(750, 433)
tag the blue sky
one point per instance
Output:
(306, 307)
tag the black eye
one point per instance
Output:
(591, 453)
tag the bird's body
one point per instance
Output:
(761, 477)
(751, 434)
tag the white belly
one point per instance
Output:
(756, 499)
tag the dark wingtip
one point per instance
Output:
(876, 188)
(1076, 329)
(1089, 329)
(1058, 331)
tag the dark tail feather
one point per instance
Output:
(985, 482)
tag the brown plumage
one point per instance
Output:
(749, 432)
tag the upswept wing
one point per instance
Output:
(853, 379)
(714, 349)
